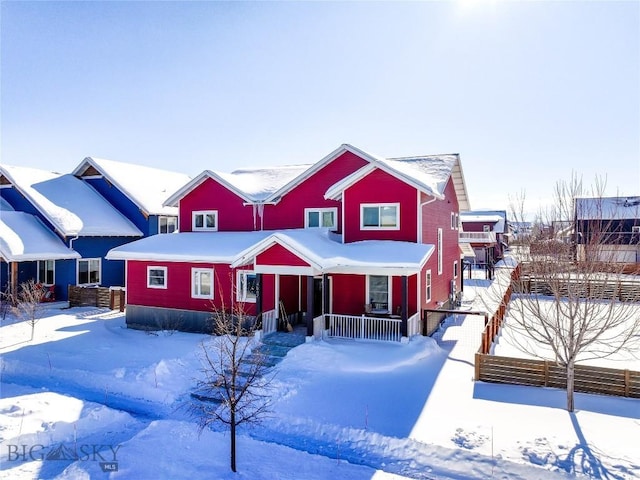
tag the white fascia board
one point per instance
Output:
(286, 270)
(112, 181)
(248, 256)
(345, 147)
(173, 200)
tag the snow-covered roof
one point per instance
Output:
(429, 174)
(490, 216)
(5, 206)
(23, 237)
(213, 247)
(259, 183)
(269, 184)
(253, 185)
(316, 246)
(72, 206)
(147, 187)
(608, 208)
(326, 254)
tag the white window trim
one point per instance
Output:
(241, 294)
(457, 222)
(204, 213)
(89, 260)
(157, 267)
(453, 220)
(486, 228)
(389, 291)
(40, 281)
(428, 281)
(379, 205)
(320, 211)
(195, 271)
(455, 269)
(168, 217)
(439, 246)
(635, 229)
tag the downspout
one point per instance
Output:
(71, 240)
(422, 205)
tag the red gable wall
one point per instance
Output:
(210, 195)
(289, 212)
(380, 187)
(278, 255)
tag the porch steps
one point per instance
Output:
(270, 352)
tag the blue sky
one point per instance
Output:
(526, 92)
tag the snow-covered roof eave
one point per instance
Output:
(321, 265)
(90, 161)
(276, 196)
(174, 199)
(335, 191)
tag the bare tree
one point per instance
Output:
(570, 297)
(27, 305)
(235, 386)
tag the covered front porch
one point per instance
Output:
(364, 290)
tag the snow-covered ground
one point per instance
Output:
(90, 388)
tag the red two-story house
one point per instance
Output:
(354, 245)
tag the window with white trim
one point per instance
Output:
(202, 283)
(167, 224)
(635, 229)
(46, 272)
(204, 220)
(455, 269)
(379, 296)
(427, 284)
(457, 227)
(380, 216)
(486, 228)
(439, 251)
(156, 277)
(89, 271)
(246, 286)
(320, 217)
(453, 221)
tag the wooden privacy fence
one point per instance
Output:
(544, 373)
(625, 291)
(492, 327)
(96, 297)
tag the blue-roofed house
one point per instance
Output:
(79, 216)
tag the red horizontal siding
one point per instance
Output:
(178, 292)
(278, 255)
(380, 187)
(210, 195)
(289, 212)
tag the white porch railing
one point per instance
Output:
(269, 321)
(477, 237)
(369, 328)
(413, 325)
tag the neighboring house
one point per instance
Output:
(83, 220)
(29, 251)
(136, 191)
(347, 243)
(608, 229)
(487, 232)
